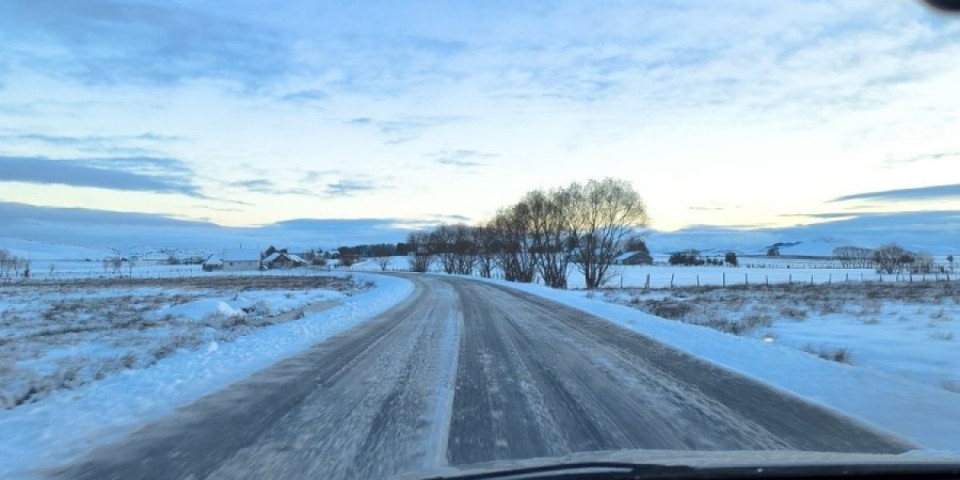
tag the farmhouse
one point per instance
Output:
(212, 263)
(283, 260)
(238, 260)
(633, 258)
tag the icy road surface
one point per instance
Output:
(464, 372)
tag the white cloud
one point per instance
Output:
(776, 107)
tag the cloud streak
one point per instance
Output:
(346, 188)
(462, 158)
(123, 174)
(269, 187)
(937, 192)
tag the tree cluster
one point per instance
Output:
(586, 224)
(892, 258)
(114, 264)
(14, 265)
(690, 257)
(731, 259)
(854, 257)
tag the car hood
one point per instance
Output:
(694, 459)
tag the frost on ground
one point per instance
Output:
(905, 405)
(904, 329)
(56, 337)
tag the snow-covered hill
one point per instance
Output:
(40, 231)
(934, 232)
(51, 251)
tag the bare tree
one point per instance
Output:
(442, 240)
(348, 257)
(511, 227)
(922, 263)
(549, 231)
(17, 264)
(115, 263)
(464, 248)
(892, 258)
(381, 255)
(131, 264)
(484, 238)
(605, 215)
(853, 257)
(420, 252)
(5, 262)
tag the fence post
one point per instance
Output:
(790, 279)
(698, 280)
(646, 285)
(671, 280)
(746, 281)
(766, 279)
(830, 279)
(811, 279)
(724, 279)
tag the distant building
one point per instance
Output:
(235, 260)
(633, 258)
(212, 263)
(283, 260)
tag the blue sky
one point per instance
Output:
(246, 113)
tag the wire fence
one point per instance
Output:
(623, 277)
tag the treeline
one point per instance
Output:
(586, 224)
(890, 258)
(14, 265)
(692, 257)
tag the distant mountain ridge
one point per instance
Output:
(89, 231)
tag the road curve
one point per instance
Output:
(464, 372)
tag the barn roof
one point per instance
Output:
(241, 255)
(289, 256)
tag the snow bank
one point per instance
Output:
(274, 300)
(64, 426)
(925, 415)
(200, 309)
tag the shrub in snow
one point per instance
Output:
(259, 309)
(840, 355)
(793, 313)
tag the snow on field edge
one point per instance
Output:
(925, 415)
(65, 426)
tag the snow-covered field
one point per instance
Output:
(66, 335)
(892, 384)
(910, 330)
(120, 330)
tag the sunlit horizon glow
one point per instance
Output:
(751, 114)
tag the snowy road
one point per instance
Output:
(465, 372)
